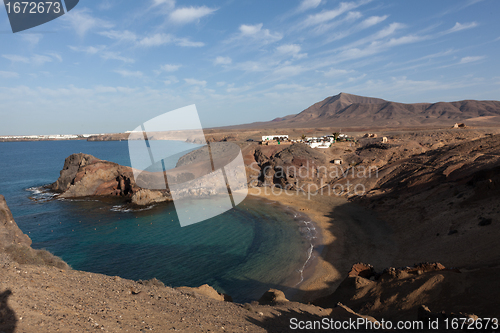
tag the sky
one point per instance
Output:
(110, 65)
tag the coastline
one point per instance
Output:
(343, 226)
(311, 233)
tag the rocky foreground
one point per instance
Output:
(41, 293)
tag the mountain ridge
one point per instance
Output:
(348, 110)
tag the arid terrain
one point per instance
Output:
(409, 231)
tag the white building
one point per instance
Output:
(272, 137)
(319, 144)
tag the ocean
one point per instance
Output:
(256, 246)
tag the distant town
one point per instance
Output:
(45, 137)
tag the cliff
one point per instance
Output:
(9, 231)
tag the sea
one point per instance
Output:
(253, 247)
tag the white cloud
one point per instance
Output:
(32, 39)
(55, 55)
(308, 4)
(291, 50)
(250, 29)
(82, 21)
(252, 66)
(378, 47)
(222, 61)
(326, 27)
(184, 42)
(89, 49)
(16, 58)
(288, 49)
(38, 59)
(100, 50)
(356, 78)
(333, 72)
(329, 15)
(383, 33)
(405, 40)
(459, 27)
(195, 82)
(287, 86)
(105, 5)
(169, 68)
(466, 60)
(109, 55)
(289, 70)
(256, 32)
(167, 3)
(371, 21)
(351, 16)
(156, 40)
(8, 75)
(404, 86)
(119, 35)
(170, 80)
(221, 84)
(127, 73)
(189, 14)
(232, 89)
(35, 59)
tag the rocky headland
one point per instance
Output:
(84, 175)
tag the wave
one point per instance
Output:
(128, 209)
(308, 231)
(41, 194)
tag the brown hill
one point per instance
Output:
(346, 110)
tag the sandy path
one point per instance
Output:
(350, 234)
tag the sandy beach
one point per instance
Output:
(350, 234)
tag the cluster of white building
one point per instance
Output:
(313, 142)
(277, 137)
(323, 141)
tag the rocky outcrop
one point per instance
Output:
(273, 297)
(364, 270)
(207, 291)
(290, 167)
(84, 175)
(9, 231)
(16, 246)
(400, 293)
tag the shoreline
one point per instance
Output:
(318, 273)
(343, 226)
(309, 233)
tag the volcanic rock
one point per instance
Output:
(9, 231)
(272, 297)
(84, 175)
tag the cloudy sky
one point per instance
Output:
(110, 65)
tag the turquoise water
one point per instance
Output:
(243, 252)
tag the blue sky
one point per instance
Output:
(110, 65)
